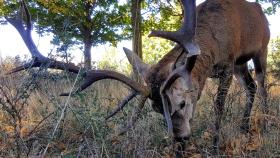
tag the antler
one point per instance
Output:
(90, 76)
(183, 36)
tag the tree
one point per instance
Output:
(86, 22)
(90, 22)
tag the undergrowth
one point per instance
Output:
(36, 121)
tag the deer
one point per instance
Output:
(216, 40)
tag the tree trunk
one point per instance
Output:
(87, 31)
(136, 32)
(87, 53)
(136, 27)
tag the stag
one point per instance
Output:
(228, 34)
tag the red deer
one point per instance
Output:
(228, 32)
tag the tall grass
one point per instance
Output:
(30, 107)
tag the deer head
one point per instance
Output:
(170, 88)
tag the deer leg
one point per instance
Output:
(260, 69)
(224, 83)
(242, 73)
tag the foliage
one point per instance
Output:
(110, 60)
(154, 49)
(161, 14)
(69, 19)
(274, 4)
(274, 57)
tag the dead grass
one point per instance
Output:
(83, 132)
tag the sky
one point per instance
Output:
(12, 45)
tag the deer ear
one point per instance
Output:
(138, 65)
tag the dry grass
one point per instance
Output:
(30, 108)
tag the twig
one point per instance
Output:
(45, 118)
(62, 113)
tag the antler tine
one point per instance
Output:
(122, 104)
(183, 71)
(138, 65)
(96, 75)
(167, 116)
(25, 32)
(136, 112)
(183, 36)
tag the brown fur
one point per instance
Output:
(227, 31)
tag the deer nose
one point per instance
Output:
(183, 142)
(182, 139)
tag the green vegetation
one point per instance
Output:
(274, 57)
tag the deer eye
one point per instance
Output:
(182, 104)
